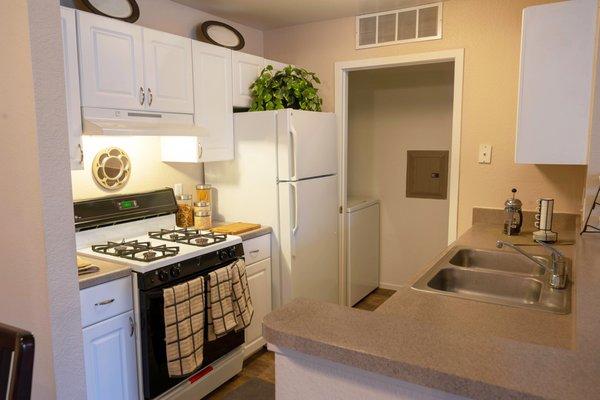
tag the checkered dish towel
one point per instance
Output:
(229, 303)
(184, 326)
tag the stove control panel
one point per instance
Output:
(189, 269)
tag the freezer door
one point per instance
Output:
(306, 144)
(309, 239)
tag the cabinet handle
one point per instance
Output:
(150, 97)
(80, 153)
(200, 150)
(254, 251)
(142, 96)
(132, 326)
(104, 302)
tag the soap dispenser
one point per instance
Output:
(513, 215)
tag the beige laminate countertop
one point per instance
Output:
(470, 348)
(111, 271)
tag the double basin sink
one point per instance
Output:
(497, 277)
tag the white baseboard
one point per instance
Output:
(390, 286)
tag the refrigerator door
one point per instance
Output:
(306, 144)
(309, 239)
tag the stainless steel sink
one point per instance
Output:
(497, 260)
(495, 277)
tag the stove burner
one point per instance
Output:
(135, 250)
(195, 237)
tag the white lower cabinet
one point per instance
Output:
(109, 348)
(259, 282)
(110, 362)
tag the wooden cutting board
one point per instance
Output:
(236, 228)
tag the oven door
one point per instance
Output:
(155, 375)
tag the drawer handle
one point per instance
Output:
(104, 302)
(254, 251)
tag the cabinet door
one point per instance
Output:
(213, 104)
(111, 63)
(259, 282)
(246, 68)
(110, 361)
(71, 64)
(555, 93)
(168, 72)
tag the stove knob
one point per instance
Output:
(175, 271)
(163, 275)
(231, 252)
(223, 255)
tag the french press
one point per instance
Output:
(513, 215)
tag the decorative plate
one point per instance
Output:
(221, 34)
(111, 168)
(125, 10)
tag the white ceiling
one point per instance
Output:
(271, 14)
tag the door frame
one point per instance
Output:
(342, 69)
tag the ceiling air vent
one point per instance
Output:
(399, 26)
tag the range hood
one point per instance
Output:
(100, 121)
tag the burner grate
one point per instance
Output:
(136, 250)
(194, 237)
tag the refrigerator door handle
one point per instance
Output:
(292, 158)
(294, 199)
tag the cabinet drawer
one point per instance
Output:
(257, 249)
(105, 301)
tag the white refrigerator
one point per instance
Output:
(285, 175)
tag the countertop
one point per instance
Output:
(111, 271)
(469, 348)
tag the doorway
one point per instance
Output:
(388, 110)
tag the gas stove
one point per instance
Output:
(130, 229)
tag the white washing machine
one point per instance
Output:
(363, 248)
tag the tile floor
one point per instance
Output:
(262, 364)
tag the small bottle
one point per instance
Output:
(185, 211)
(513, 215)
(204, 192)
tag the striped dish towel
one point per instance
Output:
(221, 318)
(229, 302)
(184, 326)
(242, 302)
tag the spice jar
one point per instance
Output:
(185, 211)
(204, 193)
(202, 220)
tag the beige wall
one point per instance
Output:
(147, 171)
(172, 17)
(39, 290)
(489, 31)
(392, 111)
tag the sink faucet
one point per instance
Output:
(558, 274)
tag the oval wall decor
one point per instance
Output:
(125, 10)
(221, 34)
(111, 168)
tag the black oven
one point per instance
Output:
(155, 375)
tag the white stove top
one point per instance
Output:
(186, 251)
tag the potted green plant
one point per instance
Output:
(292, 87)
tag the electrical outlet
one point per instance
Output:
(485, 154)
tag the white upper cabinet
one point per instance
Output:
(213, 106)
(555, 93)
(111, 63)
(125, 66)
(69, 37)
(168, 68)
(246, 68)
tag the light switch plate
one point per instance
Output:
(485, 154)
